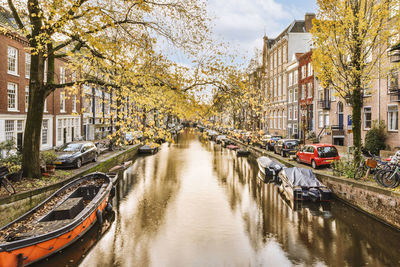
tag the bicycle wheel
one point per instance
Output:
(389, 179)
(7, 185)
(378, 175)
(360, 172)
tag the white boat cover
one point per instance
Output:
(267, 162)
(301, 177)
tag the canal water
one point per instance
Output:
(195, 203)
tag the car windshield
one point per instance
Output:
(327, 152)
(291, 144)
(71, 148)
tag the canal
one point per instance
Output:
(197, 204)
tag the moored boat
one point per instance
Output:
(301, 184)
(232, 147)
(148, 149)
(270, 168)
(57, 222)
(120, 167)
(242, 153)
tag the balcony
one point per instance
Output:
(337, 130)
(324, 104)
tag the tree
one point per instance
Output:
(65, 28)
(350, 38)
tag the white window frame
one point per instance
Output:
(364, 117)
(62, 101)
(12, 57)
(295, 112)
(320, 119)
(295, 94)
(9, 130)
(45, 132)
(390, 118)
(62, 75)
(27, 65)
(290, 113)
(59, 130)
(15, 108)
(26, 98)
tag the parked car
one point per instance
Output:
(286, 147)
(317, 155)
(75, 154)
(271, 142)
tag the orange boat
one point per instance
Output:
(57, 222)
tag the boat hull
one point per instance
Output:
(25, 252)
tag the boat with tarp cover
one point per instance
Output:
(270, 168)
(58, 221)
(301, 184)
(148, 149)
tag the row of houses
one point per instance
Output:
(297, 106)
(67, 116)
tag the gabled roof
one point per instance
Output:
(6, 18)
(297, 26)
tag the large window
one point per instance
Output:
(27, 65)
(9, 129)
(45, 127)
(279, 119)
(303, 91)
(12, 60)
(326, 118)
(320, 119)
(295, 113)
(367, 118)
(12, 94)
(284, 54)
(309, 90)
(295, 95)
(62, 75)
(59, 129)
(393, 118)
(62, 101)
(74, 103)
(290, 96)
(295, 77)
(284, 88)
(290, 113)
(303, 71)
(279, 86)
(26, 98)
(290, 79)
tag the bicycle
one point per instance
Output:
(390, 177)
(370, 164)
(5, 182)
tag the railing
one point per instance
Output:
(324, 104)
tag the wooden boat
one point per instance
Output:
(148, 149)
(242, 153)
(301, 184)
(57, 222)
(270, 168)
(120, 167)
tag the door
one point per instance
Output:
(20, 141)
(340, 115)
(65, 135)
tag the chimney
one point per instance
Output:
(308, 21)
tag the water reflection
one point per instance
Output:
(197, 204)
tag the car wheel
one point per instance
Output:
(283, 153)
(95, 157)
(314, 164)
(78, 163)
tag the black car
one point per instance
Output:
(271, 143)
(75, 154)
(286, 147)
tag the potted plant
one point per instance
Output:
(48, 157)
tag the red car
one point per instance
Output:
(317, 155)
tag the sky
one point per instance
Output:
(242, 23)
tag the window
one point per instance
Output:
(333, 94)
(295, 113)
(303, 91)
(295, 128)
(326, 118)
(290, 110)
(27, 65)
(12, 93)
(367, 118)
(45, 72)
(290, 77)
(275, 85)
(309, 69)
(62, 75)
(26, 98)
(9, 129)
(393, 118)
(303, 71)
(284, 54)
(279, 86)
(320, 119)
(279, 119)
(295, 77)
(279, 58)
(74, 103)
(20, 125)
(290, 96)
(59, 130)
(62, 101)
(295, 95)
(309, 90)
(275, 119)
(284, 89)
(12, 61)
(271, 121)
(45, 127)
(45, 105)
(283, 119)
(393, 80)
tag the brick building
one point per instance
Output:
(61, 119)
(296, 38)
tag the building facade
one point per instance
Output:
(296, 38)
(292, 74)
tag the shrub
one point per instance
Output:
(343, 167)
(48, 157)
(375, 138)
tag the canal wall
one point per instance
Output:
(11, 207)
(381, 203)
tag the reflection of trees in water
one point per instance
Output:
(307, 232)
(155, 185)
